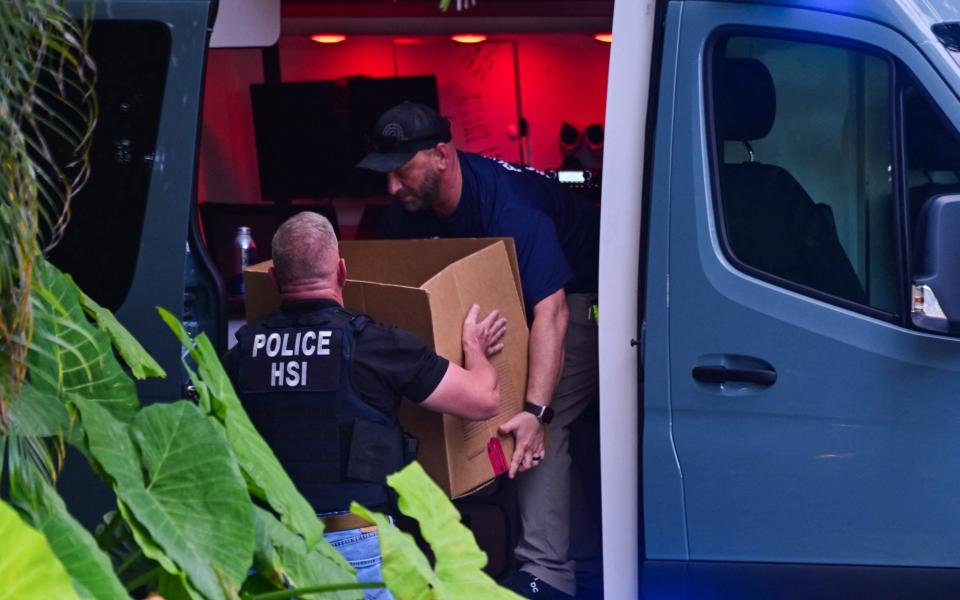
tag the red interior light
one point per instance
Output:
(604, 37)
(469, 38)
(328, 38)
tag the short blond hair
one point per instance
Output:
(305, 249)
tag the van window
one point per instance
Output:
(804, 151)
(932, 153)
(102, 241)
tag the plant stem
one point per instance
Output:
(143, 579)
(130, 560)
(103, 540)
(316, 589)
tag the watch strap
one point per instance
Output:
(544, 414)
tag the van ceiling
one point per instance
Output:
(424, 16)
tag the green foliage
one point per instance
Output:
(32, 413)
(458, 572)
(186, 490)
(88, 566)
(47, 113)
(140, 362)
(32, 571)
(70, 358)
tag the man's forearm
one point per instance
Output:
(476, 362)
(546, 348)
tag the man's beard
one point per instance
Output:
(428, 194)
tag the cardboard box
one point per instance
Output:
(427, 287)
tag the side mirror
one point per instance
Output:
(936, 283)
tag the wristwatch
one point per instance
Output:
(544, 414)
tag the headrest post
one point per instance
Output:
(749, 151)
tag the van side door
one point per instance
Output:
(799, 417)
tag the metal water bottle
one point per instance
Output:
(244, 255)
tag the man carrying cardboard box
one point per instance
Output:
(323, 386)
(441, 192)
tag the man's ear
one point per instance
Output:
(443, 153)
(341, 272)
(273, 278)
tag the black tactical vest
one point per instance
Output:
(293, 377)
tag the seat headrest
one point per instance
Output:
(746, 100)
(931, 143)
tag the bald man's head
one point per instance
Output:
(305, 251)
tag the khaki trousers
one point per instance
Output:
(550, 494)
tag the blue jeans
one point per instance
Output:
(362, 551)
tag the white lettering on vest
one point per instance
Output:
(286, 351)
(296, 344)
(293, 373)
(273, 344)
(323, 342)
(259, 341)
(276, 374)
(309, 351)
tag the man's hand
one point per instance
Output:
(484, 335)
(528, 448)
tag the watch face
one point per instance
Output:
(547, 415)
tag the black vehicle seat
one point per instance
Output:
(772, 224)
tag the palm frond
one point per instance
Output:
(47, 113)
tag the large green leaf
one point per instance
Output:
(282, 556)
(172, 583)
(89, 568)
(33, 413)
(140, 362)
(175, 473)
(459, 561)
(263, 471)
(142, 537)
(68, 355)
(176, 587)
(32, 570)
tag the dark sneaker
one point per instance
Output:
(528, 586)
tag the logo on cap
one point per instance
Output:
(393, 130)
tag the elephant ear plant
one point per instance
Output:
(186, 474)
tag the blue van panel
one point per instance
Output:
(851, 456)
(664, 523)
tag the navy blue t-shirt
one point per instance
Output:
(557, 233)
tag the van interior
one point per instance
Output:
(283, 127)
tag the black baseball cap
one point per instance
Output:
(401, 132)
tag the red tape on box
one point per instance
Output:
(498, 459)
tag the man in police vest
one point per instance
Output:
(323, 386)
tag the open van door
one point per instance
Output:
(132, 243)
(794, 413)
(619, 327)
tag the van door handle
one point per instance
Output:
(721, 374)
